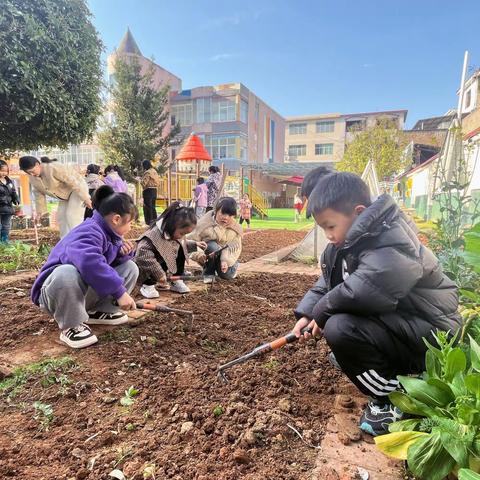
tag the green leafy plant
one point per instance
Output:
(128, 399)
(43, 413)
(21, 256)
(445, 434)
(218, 410)
(467, 474)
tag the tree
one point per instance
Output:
(140, 116)
(383, 144)
(50, 73)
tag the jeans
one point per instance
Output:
(213, 265)
(149, 199)
(199, 211)
(5, 224)
(68, 298)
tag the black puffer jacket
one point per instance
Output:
(8, 197)
(383, 270)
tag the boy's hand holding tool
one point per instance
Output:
(315, 330)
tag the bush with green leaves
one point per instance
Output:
(444, 434)
(50, 73)
(17, 256)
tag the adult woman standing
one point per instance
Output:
(59, 181)
(150, 182)
(213, 183)
(93, 182)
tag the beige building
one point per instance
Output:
(322, 138)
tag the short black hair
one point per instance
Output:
(340, 191)
(226, 205)
(311, 179)
(176, 216)
(147, 164)
(200, 180)
(92, 168)
(107, 201)
(213, 169)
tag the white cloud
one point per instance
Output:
(224, 56)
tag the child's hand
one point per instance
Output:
(306, 322)
(126, 302)
(88, 204)
(127, 247)
(224, 266)
(202, 245)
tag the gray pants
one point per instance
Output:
(68, 298)
(70, 213)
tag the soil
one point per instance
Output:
(183, 423)
(260, 242)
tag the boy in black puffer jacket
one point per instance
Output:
(8, 198)
(381, 292)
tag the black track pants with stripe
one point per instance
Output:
(370, 355)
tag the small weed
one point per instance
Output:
(22, 256)
(218, 410)
(43, 413)
(217, 348)
(272, 364)
(128, 399)
(48, 372)
(118, 335)
(129, 427)
(122, 454)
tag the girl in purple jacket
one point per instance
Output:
(89, 274)
(115, 178)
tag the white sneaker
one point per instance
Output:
(208, 279)
(149, 291)
(78, 337)
(179, 286)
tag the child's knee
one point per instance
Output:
(336, 328)
(131, 271)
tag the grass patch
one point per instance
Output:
(22, 256)
(122, 334)
(47, 372)
(217, 348)
(282, 218)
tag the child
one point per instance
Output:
(93, 182)
(381, 292)
(89, 273)
(298, 206)
(114, 178)
(150, 181)
(219, 229)
(163, 249)
(200, 197)
(245, 210)
(214, 182)
(8, 198)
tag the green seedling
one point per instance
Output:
(43, 413)
(272, 364)
(128, 399)
(217, 348)
(218, 410)
(149, 471)
(47, 372)
(129, 427)
(122, 454)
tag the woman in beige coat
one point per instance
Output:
(223, 236)
(59, 181)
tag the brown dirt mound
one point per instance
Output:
(183, 420)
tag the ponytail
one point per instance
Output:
(177, 216)
(107, 201)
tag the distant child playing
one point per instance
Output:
(200, 195)
(89, 274)
(245, 210)
(8, 198)
(380, 294)
(297, 206)
(163, 250)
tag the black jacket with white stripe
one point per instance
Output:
(383, 270)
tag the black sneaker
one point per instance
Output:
(78, 337)
(102, 318)
(377, 417)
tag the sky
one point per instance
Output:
(305, 57)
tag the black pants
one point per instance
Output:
(370, 355)
(149, 199)
(161, 261)
(208, 209)
(241, 220)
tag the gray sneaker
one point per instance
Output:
(377, 417)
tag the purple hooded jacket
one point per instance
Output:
(93, 249)
(113, 179)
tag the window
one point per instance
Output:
(243, 111)
(324, 149)
(183, 114)
(355, 125)
(297, 150)
(325, 126)
(203, 107)
(223, 111)
(221, 146)
(468, 98)
(297, 128)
